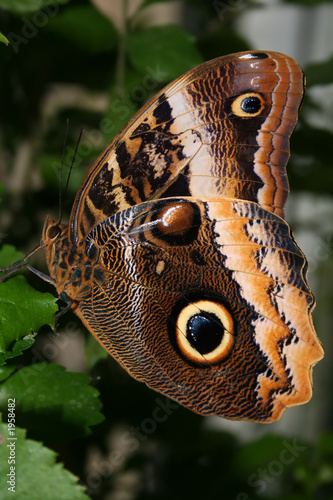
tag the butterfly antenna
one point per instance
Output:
(61, 171)
(63, 198)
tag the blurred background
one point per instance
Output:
(97, 62)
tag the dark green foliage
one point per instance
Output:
(105, 71)
(18, 305)
(47, 397)
(39, 474)
(146, 46)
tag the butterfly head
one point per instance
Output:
(51, 231)
(69, 267)
(53, 238)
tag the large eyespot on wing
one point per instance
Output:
(222, 129)
(220, 320)
(204, 333)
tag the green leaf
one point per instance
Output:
(257, 454)
(37, 475)
(3, 39)
(310, 165)
(325, 444)
(9, 254)
(85, 27)
(25, 6)
(19, 302)
(162, 51)
(47, 396)
(319, 73)
(136, 90)
(216, 43)
(6, 371)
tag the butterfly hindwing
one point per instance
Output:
(205, 301)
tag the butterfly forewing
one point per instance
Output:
(222, 129)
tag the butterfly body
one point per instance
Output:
(177, 257)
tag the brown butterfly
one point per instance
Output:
(177, 257)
